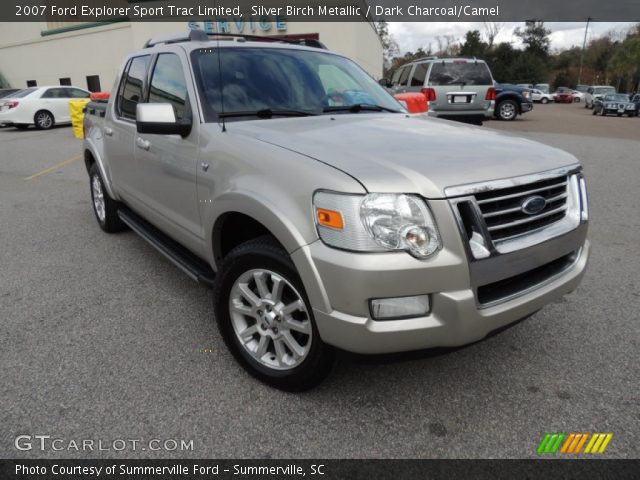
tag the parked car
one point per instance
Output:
(617, 103)
(511, 101)
(595, 92)
(5, 92)
(43, 107)
(456, 88)
(563, 95)
(636, 101)
(540, 96)
(543, 87)
(330, 217)
(578, 96)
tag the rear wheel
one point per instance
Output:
(43, 120)
(507, 110)
(266, 320)
(104, 207)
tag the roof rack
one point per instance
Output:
(197, 35)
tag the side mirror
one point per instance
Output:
(160, 118)
(385, 82)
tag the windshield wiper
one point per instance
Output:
(267, 113)
(359, 107)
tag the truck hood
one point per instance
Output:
(409, 154)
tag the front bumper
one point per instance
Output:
(526, 107)
(340, 284)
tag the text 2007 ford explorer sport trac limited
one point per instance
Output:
(323, 215)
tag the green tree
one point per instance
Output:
(535, 38)
(473, 45)
(625, 63)
(500, 59)
(389, 45)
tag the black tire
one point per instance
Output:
(507, 110)
(266, 254)
(593, 112)
(43, 120)
(109, 221)
(21, 127)
(544, 100)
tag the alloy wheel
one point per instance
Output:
(98, 198)
(270, 319)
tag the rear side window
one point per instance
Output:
(131, 88)
(404, 76)
(396, 76)
(76, 93)
(168, 84)
(24, 93)
(460, 73)
(419, 74)
(55, 93)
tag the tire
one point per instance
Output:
(104, 207)
(507, 110)
(43, 120)
(544, 100)
(291, 359)
(593, 112)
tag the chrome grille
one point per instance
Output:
(503, 213)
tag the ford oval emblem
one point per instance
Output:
(533, 205)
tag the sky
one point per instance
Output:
(412, 35)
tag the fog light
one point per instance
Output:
(400, 307)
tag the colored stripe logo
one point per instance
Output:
(573, 443)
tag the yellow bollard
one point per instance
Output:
(76, 107)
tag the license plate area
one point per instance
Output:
(461, 98)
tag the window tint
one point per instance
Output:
(76, 93)
(130, 92)
(168, 84)
(419, 74)
(255, 79)
(459, 73)
(396, 76)
(55, 93)
(404, 76)
(24, 93)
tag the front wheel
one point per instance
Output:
(104, 207)
(544, 101)
(265, 318)
(507, 110)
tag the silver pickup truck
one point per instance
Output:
(323, 215)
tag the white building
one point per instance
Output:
(88, 55)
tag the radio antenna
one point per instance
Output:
(220, 78)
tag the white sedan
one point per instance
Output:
(43, 107)
(540, 96)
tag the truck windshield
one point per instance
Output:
(274, 82)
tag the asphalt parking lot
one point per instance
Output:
(102, 338)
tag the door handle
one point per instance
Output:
(143, 144)
(108, 131)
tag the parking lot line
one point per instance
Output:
(54, 167)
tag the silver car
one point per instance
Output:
(456, 88)
(322, 214)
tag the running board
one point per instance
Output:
(185, 260)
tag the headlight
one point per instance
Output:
(610, 105)
(525, 94)
(376, 222)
